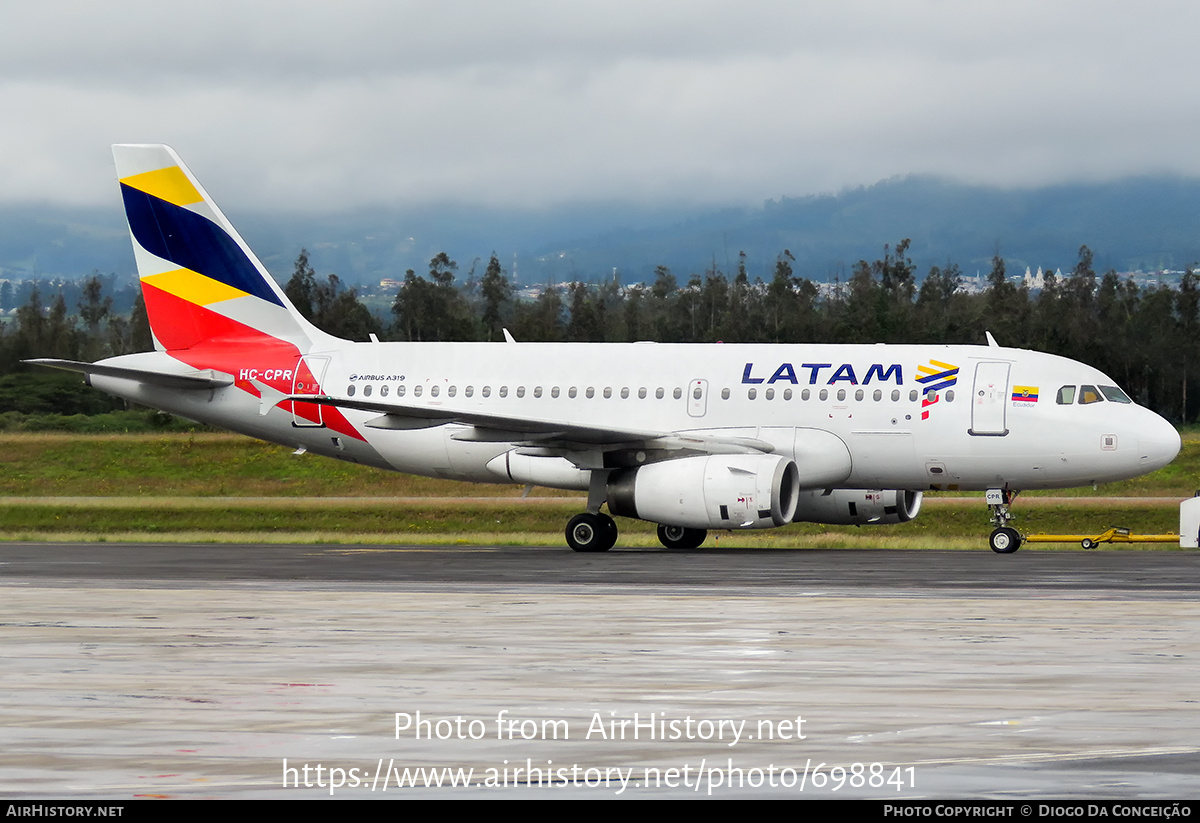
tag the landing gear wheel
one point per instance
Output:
(679, 537)
(1005, 540)
(589, 532)
(610, 529)
(1088, 543)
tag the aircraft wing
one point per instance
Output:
(206, 379)
(537, 432)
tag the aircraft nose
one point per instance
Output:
(1158, 443)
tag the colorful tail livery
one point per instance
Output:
(200, 280)
(211, 303)
(691, 437)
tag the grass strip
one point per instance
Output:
(540, 522)
(228, 465)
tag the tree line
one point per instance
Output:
(1145, 338)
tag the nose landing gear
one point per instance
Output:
(1004, 539)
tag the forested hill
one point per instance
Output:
(1137, 224)
(1146, 337)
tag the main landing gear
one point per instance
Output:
(593, 531)
(680, 537)
(597, 532)
(1004, 539)
(590, 532)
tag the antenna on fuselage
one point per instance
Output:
(991, 340)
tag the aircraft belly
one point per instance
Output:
(419, 451)
(469, 460)
(884, 459)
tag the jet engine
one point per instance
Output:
(734, 491)
(856, 507)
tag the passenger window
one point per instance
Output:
(453, 390)
(383, 391)
(1066, 395)
(824, 395)
(487, 391)
(469, 391)
(416, 391)
(678, 393)
(554, 392)
(724, 394)
(1089, 394)
(751, 393)
(858, 395)
(504, 391)
(877, 396)
(367, 390)
(895, 395)
(770, 394)
(912, 396)
(787, 394)
(841, 395)
(658, 393)
(537, 391)
(642, 393)
(520, 391)
(433, 391)
(607, 392)
(572, 392)
(949, 395)
(805, 394)
(591, 392)
(350, 391)
(400, 391)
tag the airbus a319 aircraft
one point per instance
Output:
(692, 437)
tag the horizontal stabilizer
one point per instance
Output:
(207, 379)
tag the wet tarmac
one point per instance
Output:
(300, 671)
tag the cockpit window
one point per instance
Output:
(1115, 395)
(1089, 394)
(1066, 395)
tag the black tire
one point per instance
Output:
(589, 532)
(1088, 543)
(680, 537)
(610, 528)
(1005, 541)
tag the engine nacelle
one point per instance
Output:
(856, 507)
(728, 491)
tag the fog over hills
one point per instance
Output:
(1135, 224)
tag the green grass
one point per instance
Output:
(200, 464)
(537, 522)
(208, 486)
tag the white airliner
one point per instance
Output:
(692, 437)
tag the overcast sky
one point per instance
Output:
(323, 106)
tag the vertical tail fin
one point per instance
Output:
(201, 282)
